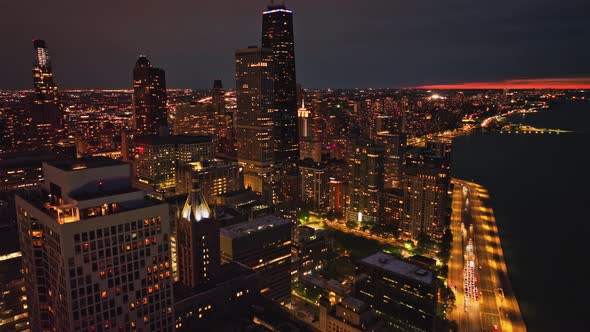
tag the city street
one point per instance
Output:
(496, 308)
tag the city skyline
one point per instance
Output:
(452, 44)
(265, 203)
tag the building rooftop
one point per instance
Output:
(172, 139)
(353, 302)
(400, 267)
(330, 285)
(239, 192)
(249, 227)
(40, 200)
(309, 163)
(84, 163)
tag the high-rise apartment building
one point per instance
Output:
(426, 185)
(365, 179)
(277, 35)
(395, 145)
(96, 253)
(264, 245)
(150, 111)
(313, 181)
(391, 210)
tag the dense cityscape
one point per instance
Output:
(268, 207)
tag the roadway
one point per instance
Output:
(466, 312)
(341, 226)
(496, 308)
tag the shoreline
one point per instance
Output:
(498, 307)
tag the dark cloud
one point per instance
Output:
(345, 43)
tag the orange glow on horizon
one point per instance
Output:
(538, 83)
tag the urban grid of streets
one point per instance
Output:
(477, 270)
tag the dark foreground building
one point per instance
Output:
(402, 291)
(264, 245)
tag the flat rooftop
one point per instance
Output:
(84, 163)
(353, 302)
(257, 225)
(172, 139)
(400, 267)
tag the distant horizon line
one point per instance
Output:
(572, 83)
(517, 84)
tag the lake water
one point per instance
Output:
(540, 192)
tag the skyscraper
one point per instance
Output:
(149, 98)
(277, 34)
(254, 117)
(223, 121)
(313, 181)
(46, 110)
(426, 184)
(96, 252)
(365, 180)
(394, 152)
(197, 239)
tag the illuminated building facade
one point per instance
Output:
(95, 251)
(14, 316)
(46, 110)
(277, 35)
(399, 289)
(150, 112)
(337, 196)
(349, 315)
(214, 177)
(22, 170)
(309, 252)
(158, 156)
(255, 119)
(391, 210)
(395, 145)
(313, 179)
(427, 181)
(197, 241)
(365, 179)
(303, 114)
(264, 245)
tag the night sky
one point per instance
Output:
(338, 43)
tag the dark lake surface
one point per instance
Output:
(540, 191)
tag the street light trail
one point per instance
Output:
(476, 243)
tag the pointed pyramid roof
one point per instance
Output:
(196, 208)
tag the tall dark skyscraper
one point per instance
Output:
(197, 242)
(277, 34)
(149, 98)
(254, 117)
(223, 121)
(46, 110)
